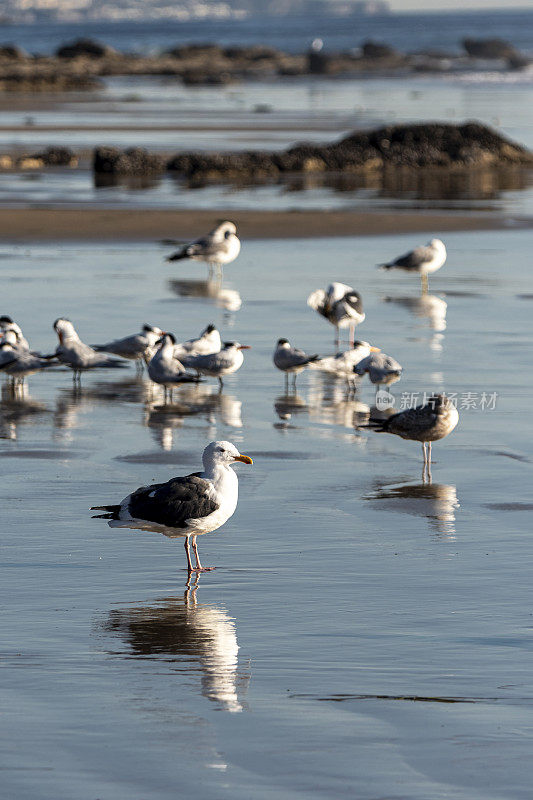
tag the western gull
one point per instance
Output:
(291, 360)
(138, 347)
(426, 423)
(424, 259)
(341, 305)
(215, 365)
(187, 506)
(381, 369)
(167, 370)
(219, 247)
(77, 355)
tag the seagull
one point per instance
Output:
(228, 360)
(426, 423)
(381, 369)
(77, 355)
(165, 369)
(138, 347)
(339, 304)
(18, 363)
(7, 324)
(291, 360)
(424, 259)
(220, 246)
(208, 342)
(188, 506)
(342, 364)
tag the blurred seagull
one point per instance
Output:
(424, 260)
(228, 360)
(339, 304)
(291, 360)
(208, 342)
(342, 364)
(137, 347)
(18, 362)
(77, 355)
(426, 423)
(189, 506)
(7, 324)
(219, 247)
(381, 368)
(165, 369)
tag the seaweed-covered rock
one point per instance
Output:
(84, 47)
(377, 50)
(133, 161)
(489, 48)
(57, 157)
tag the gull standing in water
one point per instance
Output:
(188, 507)
(77, 355)
(342, 364)
(291, 360)
(219, 247)
(424, 260)
(18, 362)
(339, 304)
(426, 423)
(138, 347)
(167, 370)
(381, 368)
(228, 360)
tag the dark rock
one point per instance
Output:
(12, 52)
(489, 48)
(198, 50)
(57, 157)
(84, 47)
(134, 161)
(377, 50)
(199, 77)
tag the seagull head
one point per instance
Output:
(236, 346)
(222, 454)
(209, 329)
(4, 320)
(437, 244)
(283, 343)
(153, 329)
(65, 329)
(225, 229)
(166, 339)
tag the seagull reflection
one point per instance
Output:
(227, 299)
(331, 405)
(198, 400)
(186, 636)
(16, 407)
(287, 405)
(435, 501)
(428, 306)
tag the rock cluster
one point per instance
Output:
(133, 161)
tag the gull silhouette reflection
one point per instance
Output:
(436, 501)
(426, 307)
(16, 408)
(227, 299)
(188, 636)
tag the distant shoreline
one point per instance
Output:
(22, 225)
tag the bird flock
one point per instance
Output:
(200, 503)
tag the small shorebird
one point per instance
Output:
(290, 360)
(426, 423)
(167, 370)
(17, 362)
(137, 347)
(188, 506)
(228, 360)
(77, 355)
(339, 304)
(424, 260)
(208, 342)
(342, 364)
(381, 368)
(219, 247)
(7, 324)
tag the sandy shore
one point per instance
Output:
(23, 225)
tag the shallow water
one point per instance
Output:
(363, 634)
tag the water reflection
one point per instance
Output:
(227, 299)
(435, 501)
(331, 404)
(16, 408)
(427, 306)
(286, 406)
(187, 636)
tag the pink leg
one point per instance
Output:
(187, 551)
(198, 567)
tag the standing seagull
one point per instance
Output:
(381, 369)
(221, 246)
(291, 360)
(424, 260)
(136, 348)
(189, 506)
(167, 370)
(208, 342)
(228, 360)
(426, 423)
(342, 364)
(77, 355)
(339, 304)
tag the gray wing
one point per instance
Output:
(174, 502)
(286, 359)
(413, 421)
(128, 345)
(414, 259)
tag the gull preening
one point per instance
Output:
(424, 260)
(208, 342)
(426, 423)
(77, 355)
(291, 360)
(339, 304)
(138, 347)
(342, 364)
(216, 365)
(219, 247)
(187, 506)
(7, 324)
(167, 370)
(382, 369)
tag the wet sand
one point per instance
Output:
(77, 224)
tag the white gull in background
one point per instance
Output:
(341, 305)
(219, 247)
(291, 360)
(77, 355)
(423, 260)
(167, 370)
(187, 506)
(138, 347)
(216, 365)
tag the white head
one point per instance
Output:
(152, 333)
(65, 329)
(9, 337)
(437, 244)
(222, 454)
(283, 344)
(7, 324)
(225, 229)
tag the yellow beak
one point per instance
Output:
(244, 459)
(375, 349)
